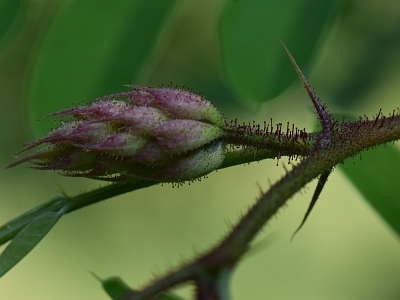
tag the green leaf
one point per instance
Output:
(117, 289)
(377, 178)
(10, 11)
(26, 240)
(254, 62)
(93, 48)
(68, 204)
(10, 229)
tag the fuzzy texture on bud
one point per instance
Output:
(161, 134)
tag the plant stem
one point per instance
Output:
(11, 228)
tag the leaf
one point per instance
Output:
(68, 204)
(10, 229)
(377, 178)
(85, 55)
(10, 11)
(26, 240)
(117, 289)
(254, 62)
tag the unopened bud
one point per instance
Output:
(159, 134)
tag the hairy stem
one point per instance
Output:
(332, 146)
(11, 228)
(346, 140)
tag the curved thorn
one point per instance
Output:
(324, 116)
(321, 183)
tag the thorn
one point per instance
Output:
(377, 117)
(332, 126)
(321, 182)
(287, 129)
(392, 117)
(259, 188)
(271, 127)
(292, 129)
(323, 115)
(383, 121)
(279, 156)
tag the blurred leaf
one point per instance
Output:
(117, 289)
(26, 240)
(254, 61)
(10, 11)
(93, 48)
(377, 177)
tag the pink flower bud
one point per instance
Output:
(147, 133)
(96, 109)
(87, 134)
(120, 144)
(184, 135)
(141, 119)
(198, 163)
(179, 103)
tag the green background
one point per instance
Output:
(345, 250)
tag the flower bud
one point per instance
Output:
(159, 134)
(183, 135)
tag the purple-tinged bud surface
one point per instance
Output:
(159, 134)
(99, 109)
(120, 144)
(179, 103)
(183, 135)
(141, 119)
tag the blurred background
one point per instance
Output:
(57, 53)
